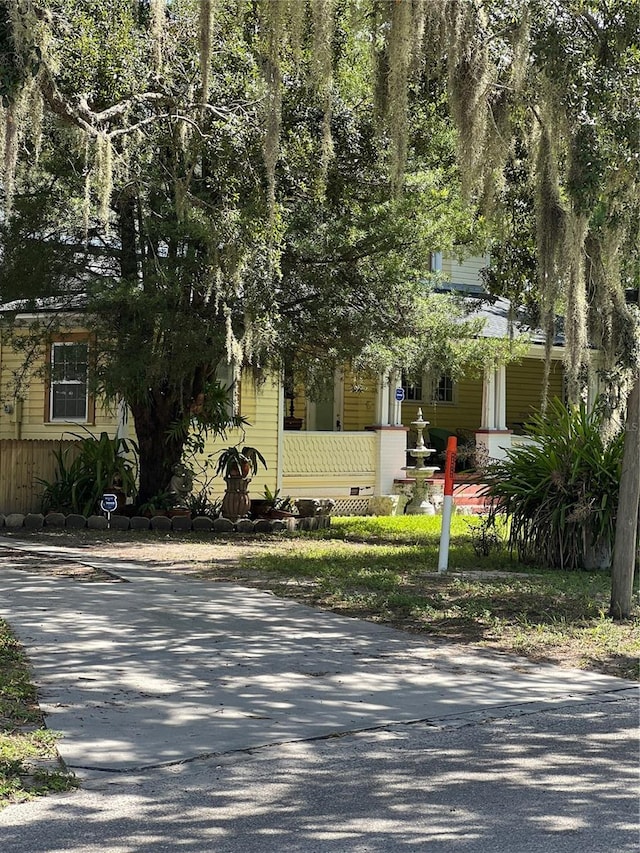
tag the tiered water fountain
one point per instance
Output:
(420, 503)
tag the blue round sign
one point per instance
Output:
(399, 395)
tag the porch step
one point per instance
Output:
(469, 498)
(468, 494)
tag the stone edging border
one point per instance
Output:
(181, 524)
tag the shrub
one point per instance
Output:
(560, 493)
(84, 473)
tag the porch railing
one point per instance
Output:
(328, 464)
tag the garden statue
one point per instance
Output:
(181, 483)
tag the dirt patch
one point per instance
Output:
(55, 567)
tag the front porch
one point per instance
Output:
(352, 462)
(349, 467)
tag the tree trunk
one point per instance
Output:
(158, 450)
(624, 552)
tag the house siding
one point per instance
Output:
(524, 388)
(464, 413)
(359, 405)
(29, 416)
(466, 272)
(259, 404)
(27, 437)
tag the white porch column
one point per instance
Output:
(391, 456)
(593, 390)
(487, 420)
(493, 433)
(500, 402)
(395, 410)
(310, 414)
(382, 400)
(122, 430)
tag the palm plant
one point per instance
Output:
(237, 462)
(560, 493)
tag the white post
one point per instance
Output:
(445, 534)
(382, 400)
(501, 397)
(488, 400)
(395, 411)
(447, 505)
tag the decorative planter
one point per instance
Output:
(179, 512)
(314, 507)
(236, 502)
(293, 423)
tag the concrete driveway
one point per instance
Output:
(208, 716)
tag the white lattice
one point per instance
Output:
(351, 506)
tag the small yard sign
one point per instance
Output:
(109, 503)
(399, 395)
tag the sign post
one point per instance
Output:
(108, 504)
(447, 506)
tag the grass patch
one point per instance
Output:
(29, 765)
(385, 570)
(471, 538)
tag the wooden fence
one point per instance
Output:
(22, 463)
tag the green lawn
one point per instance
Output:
(385, 569)
(29, 766)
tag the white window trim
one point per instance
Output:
(454, 393)
(228, 375)
(407, 385)
(53, 383)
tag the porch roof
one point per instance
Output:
(495, 311)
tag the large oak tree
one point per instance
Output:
(183, 127)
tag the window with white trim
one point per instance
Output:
(444, 390)
(228, 376)
(68, 384)
(412, 390)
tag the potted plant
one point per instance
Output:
(237, 462)
(271, 505)
(159, 504)
(237, 465)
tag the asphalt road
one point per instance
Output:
(208, 717)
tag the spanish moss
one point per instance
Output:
(400, 55)
(577, 362)
(322, 13)
(550, 224)
(206, 25)
(104, 176)
(469, 77)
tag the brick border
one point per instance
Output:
(179, 524)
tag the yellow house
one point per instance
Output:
(350, 446)
(53, 403)
(489, 411)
